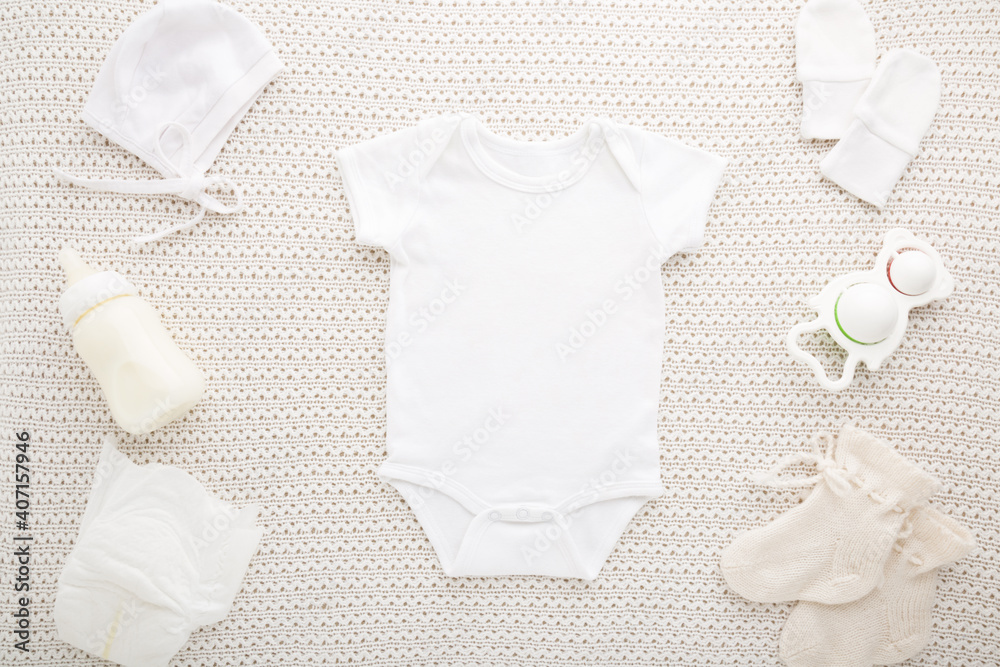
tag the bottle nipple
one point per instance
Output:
(73, 265)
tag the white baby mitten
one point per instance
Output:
(833, 547)
(893, 622)
(835, 59)
(890, 119)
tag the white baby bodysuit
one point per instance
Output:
(525, 330)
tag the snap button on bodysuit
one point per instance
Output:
(527, 514)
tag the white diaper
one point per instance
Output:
(156, 557)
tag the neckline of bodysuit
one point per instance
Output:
(586, 144)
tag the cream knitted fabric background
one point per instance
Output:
(284, 312)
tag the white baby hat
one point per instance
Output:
(171, 91)
(890, 119)
(835, 59)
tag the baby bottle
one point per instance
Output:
(147, 380)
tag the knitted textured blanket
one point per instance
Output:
(284, 312)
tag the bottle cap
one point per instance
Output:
(87, 287)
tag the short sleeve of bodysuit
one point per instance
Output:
(677, 185)
(382, 178)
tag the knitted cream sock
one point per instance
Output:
(893, 622)
(833, 547)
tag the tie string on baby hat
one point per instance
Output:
(171, 91)
(193, 187)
